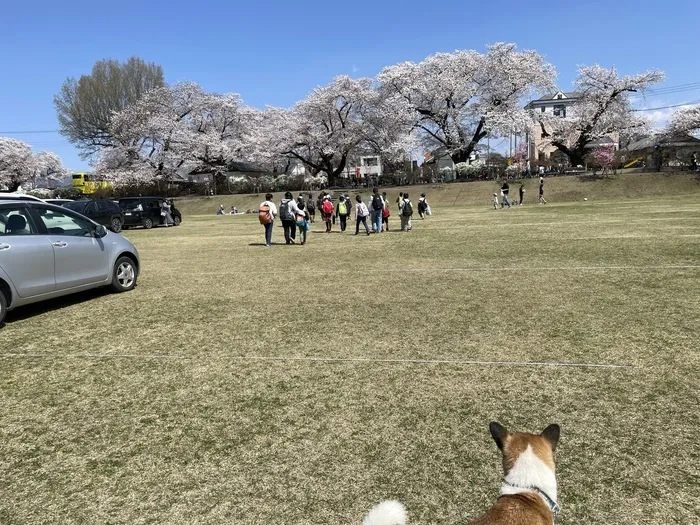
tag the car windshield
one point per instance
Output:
(129, 204)
(78, 206)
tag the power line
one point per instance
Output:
(669, 107)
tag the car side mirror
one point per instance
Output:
(100, 231)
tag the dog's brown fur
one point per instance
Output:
(528, 507)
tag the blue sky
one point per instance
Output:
(274, 52)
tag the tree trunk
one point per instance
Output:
(13, 186)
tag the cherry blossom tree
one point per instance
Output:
(19, 165)
(686, 120)
(604, 157)
(604, 108)
(455, 99)
(171, 129)
(323, 130)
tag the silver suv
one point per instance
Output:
(47, 251)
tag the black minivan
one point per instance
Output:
(102, 211)
(145, 211)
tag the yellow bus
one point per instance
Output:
(84, 184)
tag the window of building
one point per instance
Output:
(560, 111)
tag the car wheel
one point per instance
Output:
(177, 220)
(116, 225)
(124, 275)
(148, 223)
(3, 307)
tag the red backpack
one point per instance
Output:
(327, 207)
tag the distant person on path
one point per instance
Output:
(342, 210)
(542, 200)
(504, 194)
(327, 210)
(165, 213)
(267, 211)
(302, 222)
(386, 213)
(377, 209)
(406, 213)
(311, 208)
(694, 161)
(521, 193)
(288, 213)
(361, 214)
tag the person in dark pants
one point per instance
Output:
(288, 212)
(311, 208)
(361, 214)
(542, 199)
(342, 210)
(504, 192)
(269, 211)
(521, 193)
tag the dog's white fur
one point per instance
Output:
(388, 512)
(530, 471)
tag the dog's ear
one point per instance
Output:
(551, 434)
(499, 433)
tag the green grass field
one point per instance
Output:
(189, 399)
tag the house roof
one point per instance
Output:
(674, 140)
(601, 142)
(567, 95)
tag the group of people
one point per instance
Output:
(222, 211)
(298, 214)
(505, 189)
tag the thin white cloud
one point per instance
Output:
(355, 69)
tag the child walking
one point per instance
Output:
(495, 201)
(361, 214)
(302, 220)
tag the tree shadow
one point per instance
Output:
(28, 311)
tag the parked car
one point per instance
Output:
(18, 197)
(145, 211)
(47, 251)
(102, 211)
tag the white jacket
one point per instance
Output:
(273, 208)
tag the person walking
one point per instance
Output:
(361, 214)
(521, 193)
(542, 199)
(342, 210)
(302, 222)
(327, 210)
(288, 212)
(495, 201)
(386, 213)
(267, 211)
(422, 205)
(504, 194)
(311, 208)
(377, 209)
(406, 213)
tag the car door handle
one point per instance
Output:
(4, 246)
(59, 244)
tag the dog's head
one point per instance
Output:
(513, 445)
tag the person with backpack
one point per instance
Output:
(361, 214)
(327, 210)
(342, 210)
(386, 213)
(311, 208)
(288, 212)
(267, 211)
(406, 213)
(377, 209)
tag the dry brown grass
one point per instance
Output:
(206, 437)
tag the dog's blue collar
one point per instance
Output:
(553, 505)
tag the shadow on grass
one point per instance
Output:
(25, 312)
(263, 244)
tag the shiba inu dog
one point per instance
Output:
(529, 489)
